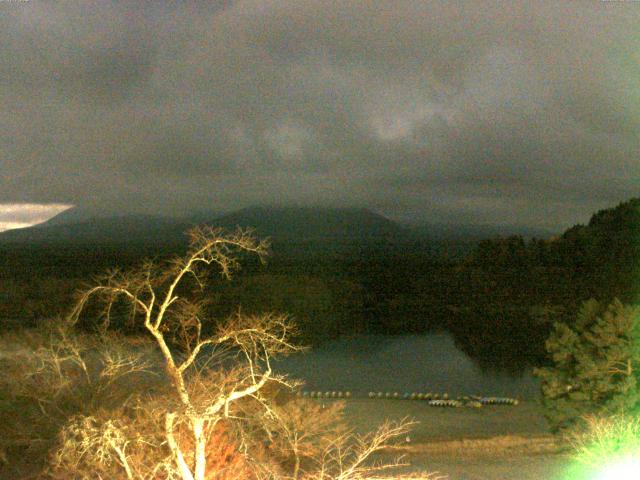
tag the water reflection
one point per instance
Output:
(406, 363)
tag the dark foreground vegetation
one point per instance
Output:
(499, 297)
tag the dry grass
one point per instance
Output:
(494, 447)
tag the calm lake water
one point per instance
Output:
(406, 363)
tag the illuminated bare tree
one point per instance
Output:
(215, 379)
(158, 299)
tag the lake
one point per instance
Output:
(403, 363)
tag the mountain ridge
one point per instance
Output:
(278, 222)
(312, 222)
(281, 223)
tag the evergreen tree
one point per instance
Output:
(596, 364)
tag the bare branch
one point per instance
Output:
(204, 394)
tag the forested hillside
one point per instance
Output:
(513, 291)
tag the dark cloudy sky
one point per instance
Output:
(483, 112)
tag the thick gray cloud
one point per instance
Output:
(515, 112)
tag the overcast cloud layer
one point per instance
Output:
(506, 113)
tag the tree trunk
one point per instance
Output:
(199, 447)
(183, 468)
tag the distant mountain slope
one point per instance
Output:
(71, 215)
(286, 223)
(613, 234)
(312, 223)
(474, 232)
(599, 260)
(202, 216)
(622, 219)
(608, 249)
(116, 230)
(89, 225)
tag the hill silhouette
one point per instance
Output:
(513, 289)
(303, 223)
(606, 251)
(280, 223)
(127, 229)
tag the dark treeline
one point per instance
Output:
(498, 297)
(514, 290)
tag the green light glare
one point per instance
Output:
(607, 448)
(625, 469)
(616, 468)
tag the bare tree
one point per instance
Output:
(153, 294)
(323, 448)
(206, 394)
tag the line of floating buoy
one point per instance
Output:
(498, 401)
(331, 394)
(432, 399)
(409, 396)
(445, 403)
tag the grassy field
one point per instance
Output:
(437, 424)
